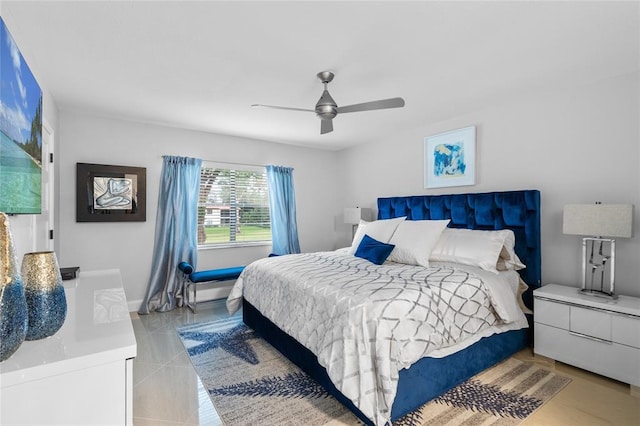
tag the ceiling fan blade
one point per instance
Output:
(281, 107)
(373, 105)
(326, 126)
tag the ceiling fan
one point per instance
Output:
(326, 108)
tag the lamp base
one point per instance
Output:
(598, 293)
(598, 266)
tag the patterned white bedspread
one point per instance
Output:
(366, 322)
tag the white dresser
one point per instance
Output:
(592, 333)
(82, 375)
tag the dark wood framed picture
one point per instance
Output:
(110, 193)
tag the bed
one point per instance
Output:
(397, 393)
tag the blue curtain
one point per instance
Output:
(176, 238)
(282, 205)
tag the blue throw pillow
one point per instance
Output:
(373, 250)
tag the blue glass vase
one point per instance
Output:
(13, 306)
(44, 293)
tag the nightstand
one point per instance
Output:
(592, 333)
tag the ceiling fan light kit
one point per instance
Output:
(326, 108)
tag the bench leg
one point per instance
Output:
(191, 303)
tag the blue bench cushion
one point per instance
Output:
(222, 274)
(216, 274)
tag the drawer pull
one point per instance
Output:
(597, 339)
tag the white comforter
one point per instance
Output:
(365, 322)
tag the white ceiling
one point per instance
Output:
(200, 65)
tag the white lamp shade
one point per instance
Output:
(353, 215)
(602, 220)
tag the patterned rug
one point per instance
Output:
(251, 383)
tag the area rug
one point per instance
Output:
(251, 383)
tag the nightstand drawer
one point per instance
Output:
(590, 322)
(626, 330)
(551, 313)
(619, 362)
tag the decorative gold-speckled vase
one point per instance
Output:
(46, 302)
(13, 307)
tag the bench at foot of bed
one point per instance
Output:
(191, 279)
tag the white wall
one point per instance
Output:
(575, 146)
(129, 245)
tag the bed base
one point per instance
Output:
(434, 376)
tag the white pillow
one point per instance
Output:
(414, 240)
(476, 248)
(508, 258)
(380, 230)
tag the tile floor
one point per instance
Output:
(166, 390)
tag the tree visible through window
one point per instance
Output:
(233, 206)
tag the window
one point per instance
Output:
(233, 206)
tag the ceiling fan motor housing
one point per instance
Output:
(326, 107)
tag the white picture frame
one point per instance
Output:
(450, 158)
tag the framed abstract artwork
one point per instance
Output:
(110, 193)
(450, 158)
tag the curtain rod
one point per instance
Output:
(229, 162)
(237, 164)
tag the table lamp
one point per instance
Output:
(353, 215)
(598, 254)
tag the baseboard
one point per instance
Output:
(204, 294)
(220, 292)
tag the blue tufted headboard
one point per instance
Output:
(515, 210)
